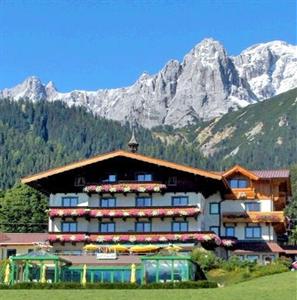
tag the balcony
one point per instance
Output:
(241, 193)
(135, 237)
(254, 217)
(126, 187)
(141, 212)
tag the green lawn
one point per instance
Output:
(273, 287)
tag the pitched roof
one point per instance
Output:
(121, 153)
(122, 260)
(242, 170)
(23, 238)
(3, 237)
(267, 174)
(254, 247)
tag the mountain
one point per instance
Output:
(37, 136)
(206, 84)
(261, 135)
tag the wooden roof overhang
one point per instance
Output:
(241, 170)
(50, 181)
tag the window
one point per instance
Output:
(143, 201)
(143, 226)
(230, 231)
(180, 201)
(179, 226)
(69, 201)
(252, 257)
(79, 181)
(10, 252)
(238, 183)
(253, 232)
(107, 202)
(111, 178)
(252, 206)
(215, 229)
(172, 181)
(144, 177)
(214, 208)
(107, 227)
(69, 227)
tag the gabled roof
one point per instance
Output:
(121, 153)
(241, 170)
(268, 174)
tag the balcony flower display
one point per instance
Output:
(255, 217)
(228, 242)
(67, 212)
(137, 238)
(125, 188)
(125, 212)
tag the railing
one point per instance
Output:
(254, 217)
(161, 212)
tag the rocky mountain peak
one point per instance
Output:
(206, 84)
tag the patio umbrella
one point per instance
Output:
(7, 273)
(42, 274)
(84, 275)
(91, 247)
(133, 273)
(144, 249)
(119, 248)
(173, 248)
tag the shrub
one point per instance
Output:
(234, 262)
(207, 260)
(77, 285)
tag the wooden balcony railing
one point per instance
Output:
(254, 217)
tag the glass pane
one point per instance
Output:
(97, 276)
(106, 276)
(165, 268)
(112, 178)
(180, 270)
(184, 226)
(242, 183)
(117, 276)
(257, 232)
(214, 208)
(150, 269)
(127, 275)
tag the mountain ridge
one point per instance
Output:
(206, 84)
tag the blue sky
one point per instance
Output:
(102, 44)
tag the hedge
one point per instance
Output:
(124, 286)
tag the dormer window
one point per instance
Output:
(238, 183)
(144, 177)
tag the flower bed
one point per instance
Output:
(126, 188)
(126, 212)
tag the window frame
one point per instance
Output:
(246, 204)
(210, 208)
(238, 180)
(173, 182)
(107, 198)
(253, 255)
(144, 174)
(173, 198)
(107, 223)
(253, 237)
(217, 227)
(68, 223)
(143, 223)
(142, 198)
(226, 231)
(69, 198)
(179, 223)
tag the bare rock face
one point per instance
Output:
(206, 84)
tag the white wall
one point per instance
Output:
(122, 200)
(239, 205)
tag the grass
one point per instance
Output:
(273, 287)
